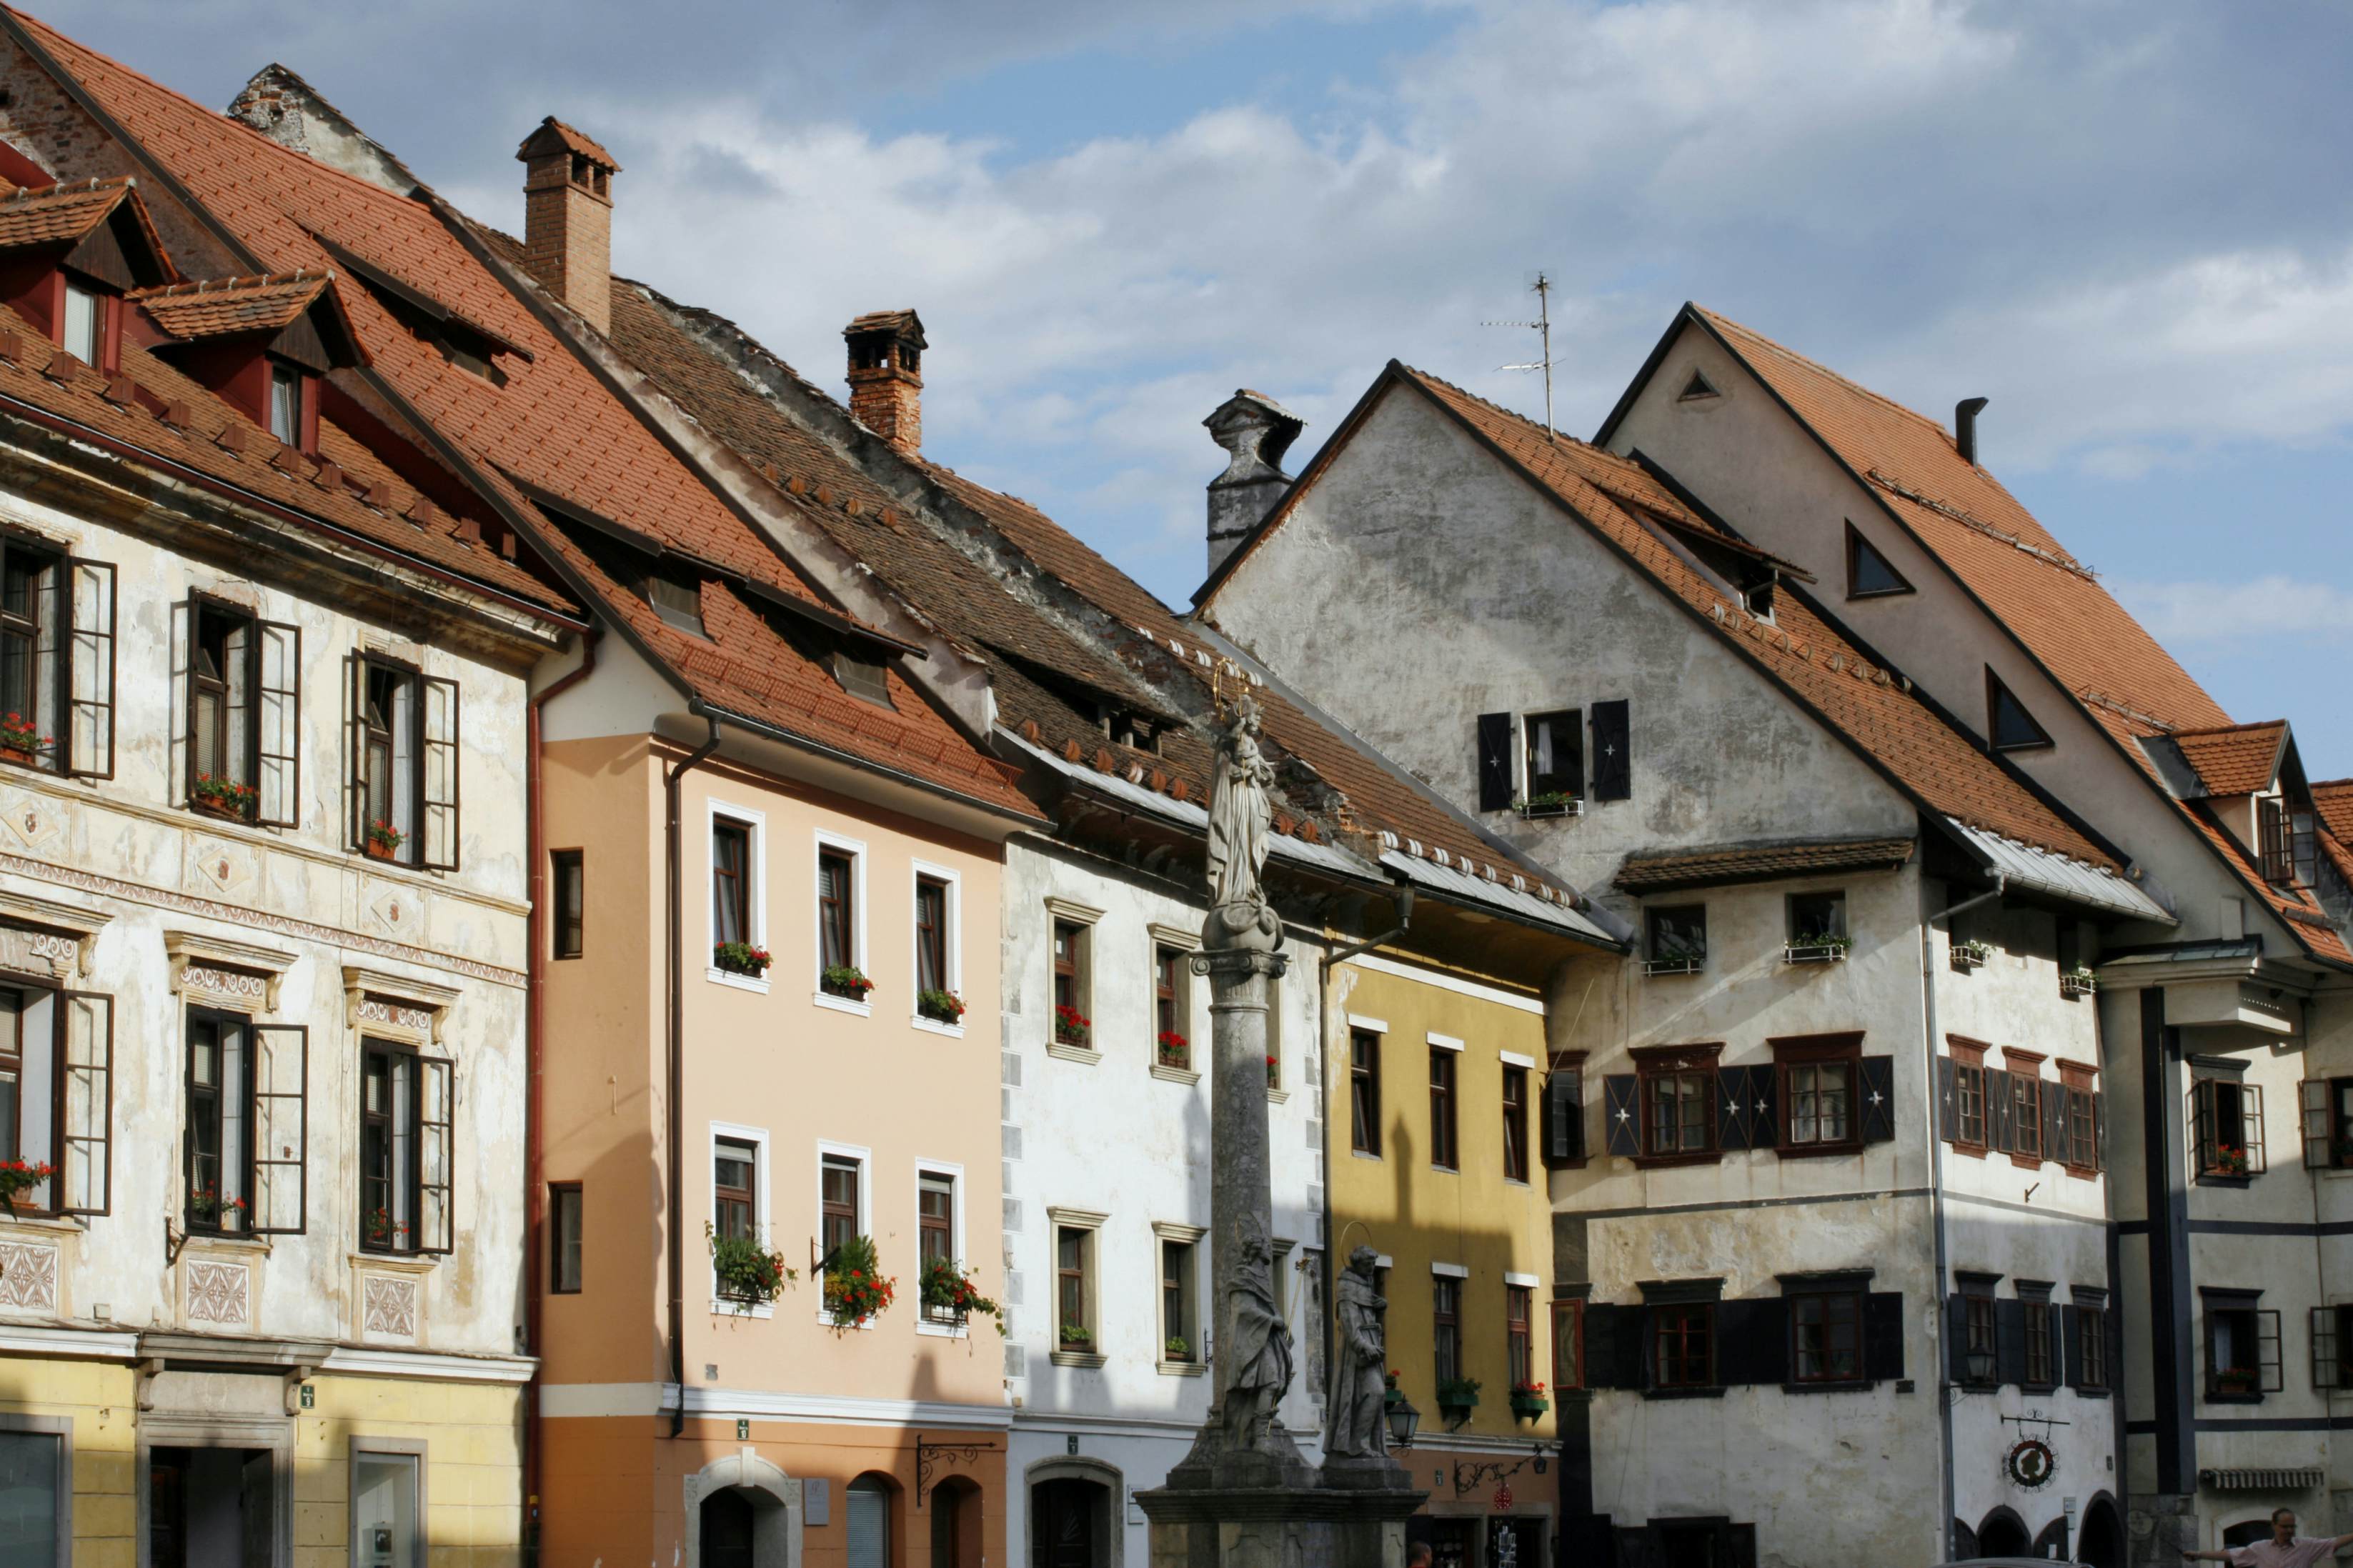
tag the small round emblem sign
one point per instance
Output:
(2031, 1463)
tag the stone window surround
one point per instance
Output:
(1191, 1235)
(417, 1448)
(1058, 1219)
(1066, 911)
(204, 970)
(1186, 943)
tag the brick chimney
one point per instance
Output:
(567, 218)
(1256, 431)
(886, 381)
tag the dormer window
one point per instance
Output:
(677, 599)
(84, 323)
(286, 403)
(866, 680)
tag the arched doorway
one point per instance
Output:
(2003, 1534)
(2101, 1541)
(869, 1523)
(727, 1529)
(1069, 1520)
(2248, 1532)
(954, 1508)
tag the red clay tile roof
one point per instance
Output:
(2239, 759)
(1800, 648)
(59, 215)
(570, 139)
(2333, 799)
(2297, 907)
(1664, 871)
(1962, 514)
(217, 306)
(551, 423)
(174, 418)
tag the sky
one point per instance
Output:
(2125, 223)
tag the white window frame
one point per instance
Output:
(953, 1171)
(916, 872)
(764, 1213)
(865, 1158)
(856, 850)
(755, 904)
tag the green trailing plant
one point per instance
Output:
(847, 981)
(1177, 1349)
(1970, 953)
(225, 795)
(1458, 1392)
(1549, 801)
(1824, 941)
(947, 1287)
(856, 1288)
(741, 958)
(1077, 1337)
(746, 1271)
(940, 1007)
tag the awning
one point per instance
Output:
(2261, 1481)
(2039, 870)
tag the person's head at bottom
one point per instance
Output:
(2283, 1525)
(1418, 1554)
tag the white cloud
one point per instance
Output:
(2209, 613)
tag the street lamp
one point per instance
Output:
(1980, 1365)
(1402, 1418)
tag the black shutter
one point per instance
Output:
(2002, 1112)
(2010, 1340)
(1876, 1090)
(1734, 1118)
(1495, 762)
(1740, 1546)
(1612, 768)
(1752, 1341)
(2070, 1351)
(1601, 1369)
(1621, 1112)
(1948, 1100)
(1564, 1119)
(1957, 1337)
(1883, 1335)
(2054, 1123)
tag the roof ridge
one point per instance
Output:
(223, 285)
(2251, 725)
(1786, 352)
(73, 188)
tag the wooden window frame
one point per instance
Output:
(1073, 979)
(2082, 1156)
(2092, 1346)
(931, 896)
(420, 1132)
(78, 664)
(566, 1237)
(2332, 1346)
(2205, 1121)
(567, 903)
(1571, 720)
(1791, 1055)
(1683, 1322)
(935, 1233)
(1445, 1142)
(1567, 1345)
(2264, 1325)
(1981, 1330)
(1970, 1086)
(218, 1096)
(731, 886)
(832, 1164)
(1519, 1333)
(1364, 1092)
(1657, 961)
(1075, 1279)
(1798, 938)
(2044, 1362)
(1515, 1106)
(1446, 1327)
(1655, 1065)
(1170, 992)
(434, 791)
(1180, 1265)
(2026, 1089)
(1852, 1299)
(838, 918)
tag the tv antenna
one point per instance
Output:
(1542, 327)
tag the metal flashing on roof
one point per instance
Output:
(2056, 876)
(1527, 908)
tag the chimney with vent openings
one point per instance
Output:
(886, 377)
(567, 218)
(1965, 427)
(1256, 431)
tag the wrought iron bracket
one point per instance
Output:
(1468, 1474)
(931, 1457)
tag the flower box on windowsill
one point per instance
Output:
(221, 809)
(2077, 982)
(1458, 1397)
(1968, 955)
(2235, 1383)
(20, 756)
(1173, 1050)
(1686, 964)
(847, 983)
(1545, 805)
(940, 1007)
(740, 958)
(1528, 1405)
(1831, 952)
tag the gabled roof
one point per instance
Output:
(1962, 515)
(2235, 759)
(550, 422)
(1672, 870)
(222, 307)
(64, 213)
(1800, 650)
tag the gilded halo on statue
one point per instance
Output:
(2031, 1463)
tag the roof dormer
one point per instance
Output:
(69, 255)
(262, 343)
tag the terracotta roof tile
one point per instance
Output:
(2296, 906)
(220, 307)
(1798, 647)
(2239, 759)
(58, 215)
(1667, 870)
(1962, 513)
(2333, 798)
(571, 140)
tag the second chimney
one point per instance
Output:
(886, 377)
(1255, 430)
(1965, 427)
(567, 218)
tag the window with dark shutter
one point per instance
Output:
(1495, 762)
(1746, 1100)
(1816, 1076)
(1682, 1345)
(2037, 1336)
(1875, 1098)
(1979, 1339)
(2243, 1347)
(1969, 1131)
(2087, 1327)
(1678, 1102)
(1555, 762)
(1613, 763)
(1569, 1345)
(1563, 1116)
(1869, 575)
(1622, 1129)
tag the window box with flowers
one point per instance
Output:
(856, 1292)
(1819, 947)
(1528, 1401)
(21, 741)
(1173, 1049)
(1970, 954)
(1274, 1072)
(383, 1231)
(1078, 1339)
(741, 958)
(383, 840)
(1458, 1396)
(1391, 1394)
(1552, 802)
(2226, 1160)
(2232, 1382)
(949, 1296)
(224, 797)
(18, 1177)
(1176, 1350)
(210, 1209)
(940, 1007)
(2077, 981)
(747, 1274)
(846, 981)
(1072, 1027)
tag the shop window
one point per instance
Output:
(36, 1493)
(387, 1529)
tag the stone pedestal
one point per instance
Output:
(1278, 1527)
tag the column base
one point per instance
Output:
(1278, 1527)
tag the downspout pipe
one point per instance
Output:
(672, 779)
(1930, 920)
(535, 1192)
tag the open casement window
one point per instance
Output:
(2009, 726)
(1563, 1116)
(404, 763)
(281, 1125)
(56, 659)
(246, 1114)
(1870, 575)
(2326, 1109)
(1556, 754)
(1567, 1345)
(243, 726)
(836, 916)
(2243, 1347)
(1515, 1124)
(2332, 1346)
(2287, 842)
(406, 1148)
(2226, 1125)
(57, 1091)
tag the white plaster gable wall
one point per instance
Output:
(1466, 592)
(1743, 456)
(128, 847)
(1108, 1136)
